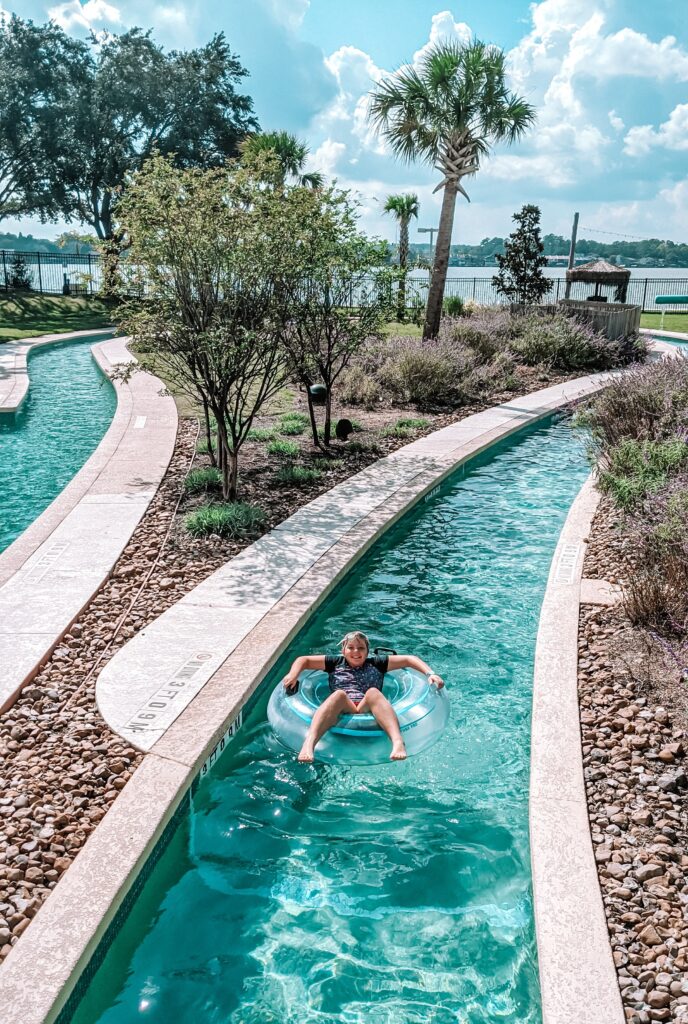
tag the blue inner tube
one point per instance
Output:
(422, 710)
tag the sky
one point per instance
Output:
(608, 78)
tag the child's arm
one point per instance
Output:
(291, 680)
(411, 661)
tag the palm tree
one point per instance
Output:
(290, 152)
(403, 206)
(449, 112)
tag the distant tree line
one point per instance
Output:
(78, 117)
(659, 252)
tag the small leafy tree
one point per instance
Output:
(339, 290)
(520, 275)
(209, 245)
(20, 275)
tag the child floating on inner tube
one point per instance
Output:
(356, 687)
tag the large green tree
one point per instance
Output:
(39, 70)
(291, 154)
(404, 206)
(92, 112)
(449, 111)
(137, 99)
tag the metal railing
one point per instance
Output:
(71, 274)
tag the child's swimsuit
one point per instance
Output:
(355, 681)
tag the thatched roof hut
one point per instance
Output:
(599, 272)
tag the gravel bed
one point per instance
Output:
(637, 790)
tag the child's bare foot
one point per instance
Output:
(306, 754)
(398, 751)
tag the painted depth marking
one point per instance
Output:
(147, 715)
(46, 561)
(140, 422)
(219, 747)
(432, 493)
(568, 560)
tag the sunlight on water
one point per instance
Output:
(393, 894)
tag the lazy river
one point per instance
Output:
(388, 894)
(68, 408)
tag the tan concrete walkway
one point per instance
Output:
(54, 568)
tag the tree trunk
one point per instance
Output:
(403, 262)
(433, 312)
(328, 418)
(311, 413)
(208, 433)
(232, 475)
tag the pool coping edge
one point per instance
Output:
(575, 960)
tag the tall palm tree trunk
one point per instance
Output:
(403, 263)
(433, 312)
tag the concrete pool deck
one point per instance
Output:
(288, 575)
(53, 569)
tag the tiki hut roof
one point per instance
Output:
(599, 272)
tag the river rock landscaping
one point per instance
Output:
(633, 725)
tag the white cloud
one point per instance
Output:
(443, 29)
(289, 13)
(326, 157)
(173, 17)
(673, 134)
(615, 121)
(76, 15)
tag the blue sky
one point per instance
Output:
(609, 79)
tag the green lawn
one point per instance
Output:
(672, 321)
(408, 328)
(27, 316)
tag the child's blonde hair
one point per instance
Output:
(355, 635)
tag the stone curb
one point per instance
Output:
(14, 376)
(577, 971)
(43, 969)
(52, 570)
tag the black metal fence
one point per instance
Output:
(51, 273)
(71, 274)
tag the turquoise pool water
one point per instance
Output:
(68, 408)
(296, 894)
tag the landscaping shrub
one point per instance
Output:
(426, 373)
(453, 305)
(634, 469)
(562, 343)
(261, 434)
(287, 449)
(657, 593)
(293, 423)
(362, 448)
(404, 428)
(648, 403)
(207, 479)
(226, 520)
(296, 475)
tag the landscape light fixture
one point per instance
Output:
(432, 232)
